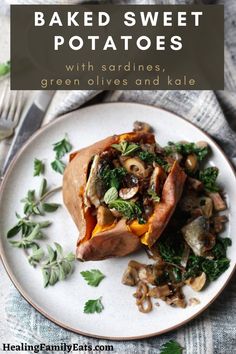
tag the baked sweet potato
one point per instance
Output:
(121, 194)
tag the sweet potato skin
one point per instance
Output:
(171, 193)
(75, 178)
(116, 242)
(74, 181)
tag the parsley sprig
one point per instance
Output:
(92, 306)
(61, 148)
(38, 167)
(93, 277)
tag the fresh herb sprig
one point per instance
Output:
(5, 68)
(92, 306)
(61, 148)
(57, 266)
(36, 206)
(126, 148)
(93, 277)
(171, 347)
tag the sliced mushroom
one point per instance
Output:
(160, 291)
(136, 166)
(218, 202)
(90, 196)
(130, 277)
(206, 206)
(128, 193)
(104, 216)
(142, 126)
(198, 283)
(176, 300)
(149, 273)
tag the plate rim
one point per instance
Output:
(24, 293)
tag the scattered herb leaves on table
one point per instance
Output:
(5, 68)
(171, 347)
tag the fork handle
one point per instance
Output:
(31, 123)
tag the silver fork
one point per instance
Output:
(10, 109)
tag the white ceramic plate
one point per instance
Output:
(63, 303)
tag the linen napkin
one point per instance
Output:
(215, 112)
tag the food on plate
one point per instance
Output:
(190, 250)
(121, 193)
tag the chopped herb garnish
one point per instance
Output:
(92, 306)
(93, 277)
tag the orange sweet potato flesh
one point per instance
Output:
(118, 241)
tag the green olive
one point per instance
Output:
(191, 162)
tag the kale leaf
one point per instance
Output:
(208, 177)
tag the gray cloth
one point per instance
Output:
(215, 112)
